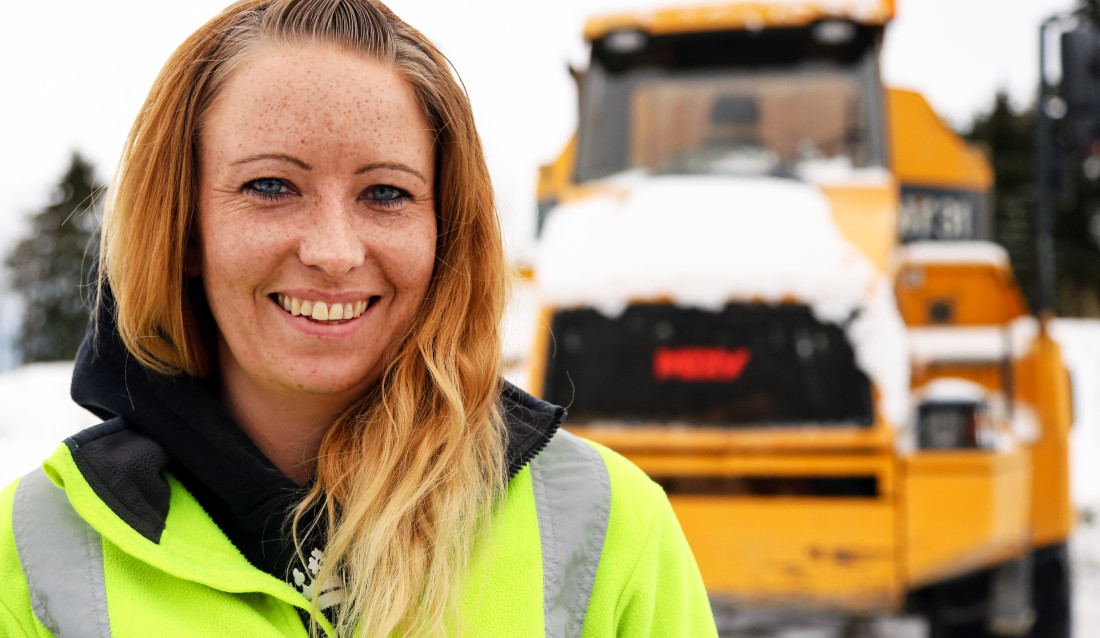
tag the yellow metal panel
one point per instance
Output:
(558, 175)
(881, 467)
(1043, 384)
(1040, 386)
(926, 152)
(964, 510)
(733, 16)
(980, 294)
(868, 217)
(795, 552)
(630, 439)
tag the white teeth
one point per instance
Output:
(322, 310)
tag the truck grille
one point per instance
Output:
(746, 365)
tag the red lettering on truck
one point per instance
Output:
(700, 363)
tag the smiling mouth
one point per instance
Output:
(322, 311)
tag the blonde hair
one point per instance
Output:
(407, 475)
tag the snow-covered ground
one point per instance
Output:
(37, 414)
(1080, 341)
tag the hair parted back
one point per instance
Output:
(407, 475)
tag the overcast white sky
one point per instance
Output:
(74, 73)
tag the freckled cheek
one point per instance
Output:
(407, 260)
(236, 257)
(424, 272)
(420, 259)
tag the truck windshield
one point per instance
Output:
(770, 114)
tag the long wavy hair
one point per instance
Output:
(407, 475)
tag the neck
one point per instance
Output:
(287, 428)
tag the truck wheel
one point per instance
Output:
(1052, 593)
(959, 608)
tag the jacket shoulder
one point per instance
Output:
(17, 616)
(635, 490)
(648, 583)
(633, 495)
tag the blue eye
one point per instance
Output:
(268, 188)
(387, 196)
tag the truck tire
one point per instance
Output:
(961, 608)
(1052, 593)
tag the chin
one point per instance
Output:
(337, 385)
(319, 376)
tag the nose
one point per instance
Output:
(329, 241)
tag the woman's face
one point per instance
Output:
(316, 221)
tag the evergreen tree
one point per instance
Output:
(47, 267)
(1077, 225)
(1008, 139)
(1077, 245)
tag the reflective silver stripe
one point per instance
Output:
(62, 559)
(573, 499)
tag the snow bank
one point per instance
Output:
(951, 390)
(37, 415)
(925, 253)
(519, 330)
(972, 343)
(705, 241)
(701, 241)
(520, 323)
(839, 171)
(1080, 341)
(879, 338)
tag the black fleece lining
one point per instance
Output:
(531, 424)
(126, 471)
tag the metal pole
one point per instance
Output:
(1044, 236)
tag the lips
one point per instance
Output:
(321, 310)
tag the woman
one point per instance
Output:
(297, 356)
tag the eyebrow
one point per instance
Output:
(275, 156)
(306, 167)
(397, 166)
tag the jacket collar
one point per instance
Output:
(175, 423)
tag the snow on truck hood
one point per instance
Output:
(706, 241)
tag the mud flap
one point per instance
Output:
(1011, 612)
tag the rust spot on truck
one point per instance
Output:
(848, 556)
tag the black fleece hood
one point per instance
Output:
(157, 423)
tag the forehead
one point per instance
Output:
(316, 97)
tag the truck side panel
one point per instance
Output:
(964, 510)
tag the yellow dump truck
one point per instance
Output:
(766, 279)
